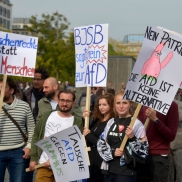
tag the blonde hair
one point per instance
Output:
(121, 93)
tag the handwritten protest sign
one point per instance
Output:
(67, 154)
(17, 54)
(91, 45)
(157, 73)
(180, 85)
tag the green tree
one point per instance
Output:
(55, 48)
(113, 49)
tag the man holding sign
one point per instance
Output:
(51, 123)
(151, 85)
(160, 132)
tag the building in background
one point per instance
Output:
(119, 70)
(19, 26)
(131, 45)
(5, 15)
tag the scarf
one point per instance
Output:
(38, 95)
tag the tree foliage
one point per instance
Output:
(112, 48)
(55, 48)
(111, 51)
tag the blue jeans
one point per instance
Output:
(13, 160)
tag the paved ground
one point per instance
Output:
(6, 177)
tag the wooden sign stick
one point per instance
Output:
(36, 167)
(87, 106)
(131, 124)
(146, 123)
(87, 149)
(3, 90)
(87, 120)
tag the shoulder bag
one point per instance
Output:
(25, 137)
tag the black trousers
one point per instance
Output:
(155, 169)
(28, 176)
(119, 178)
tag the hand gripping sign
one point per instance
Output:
(156, 75)
(67, 154)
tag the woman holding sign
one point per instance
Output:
(103, 111)
(117, 167)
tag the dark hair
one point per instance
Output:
(67, 92)
(19, 94)
(110, 100)
(111, 91)
(99, 92)
(93, 88)
(43, 72)
(11, 84)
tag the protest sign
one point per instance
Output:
(17, 54)
(67, 154)
(156, 75)
(91, 47)
(180, 85)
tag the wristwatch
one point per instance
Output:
(156, 121)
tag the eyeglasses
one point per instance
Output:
(37, 79)
(67, 101)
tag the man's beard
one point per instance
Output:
(5, 99)
(50, 95)
(65, 110)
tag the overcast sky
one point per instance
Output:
(123, 16)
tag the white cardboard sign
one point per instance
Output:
(91, 47)
(67, 154)
(17, 54)
(157, 74)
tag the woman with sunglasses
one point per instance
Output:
(103, 112)
(109, 144)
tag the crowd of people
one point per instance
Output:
(45, 105)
